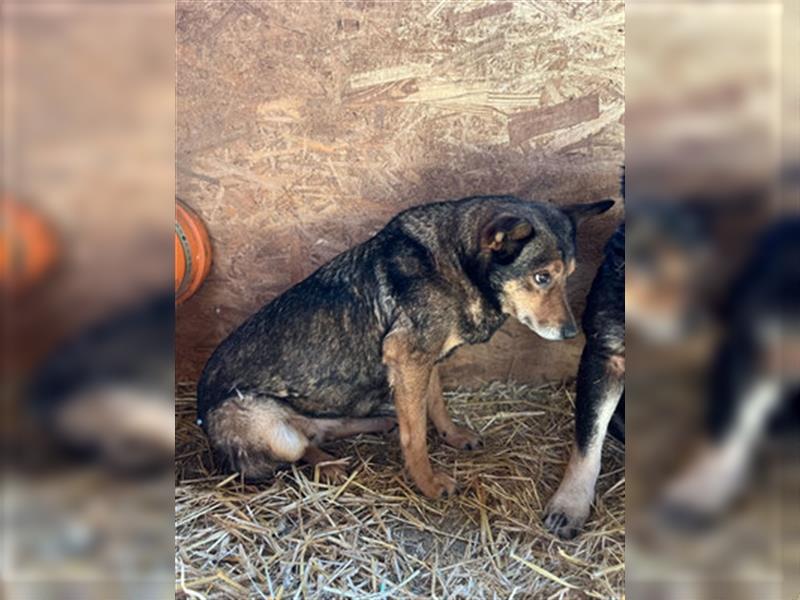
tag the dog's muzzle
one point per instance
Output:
(565, 332)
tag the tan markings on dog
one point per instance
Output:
(547, 307)
(570, 266)
(453, 435)
(453, 340)
(249, 427)
(652, 298)
(616, 365)
(782, 357)
(409, 377)
(658, 297)
(515, 294)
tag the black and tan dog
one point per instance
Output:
(360, 338)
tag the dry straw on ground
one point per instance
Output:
(375, 537)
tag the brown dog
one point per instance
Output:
(360, 339)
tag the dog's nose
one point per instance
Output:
(569, 331)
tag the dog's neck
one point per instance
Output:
(461, 262)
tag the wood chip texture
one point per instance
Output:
(303, 127)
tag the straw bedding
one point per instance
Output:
(374, 536)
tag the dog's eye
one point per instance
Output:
(541, 278)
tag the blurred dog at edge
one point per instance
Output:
(358, 341)
(754, 394)
(106, 394)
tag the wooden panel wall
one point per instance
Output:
(303, 127)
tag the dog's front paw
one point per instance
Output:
(565, 516)
(438, 485)
(563, 524)
(462, 438)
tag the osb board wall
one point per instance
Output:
(303, 127)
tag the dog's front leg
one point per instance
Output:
(599, 388)
(409, 376)
(453, 435)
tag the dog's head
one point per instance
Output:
(668, 248)
(529, 251)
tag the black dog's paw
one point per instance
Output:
(562, 524)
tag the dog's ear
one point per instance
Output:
(578, 213)
(505, 234)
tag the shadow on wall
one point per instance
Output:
(361, 110)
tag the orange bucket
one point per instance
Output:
(192, 252)
(28, 246)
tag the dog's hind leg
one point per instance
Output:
(335, 429)
(599, 388)
(319, 430)
(253, 434)
(453, 435)
(322, 430)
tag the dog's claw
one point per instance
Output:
(332, 473)
(563, 525)
(474, 445)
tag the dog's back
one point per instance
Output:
(317, 346)
(306, 338)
